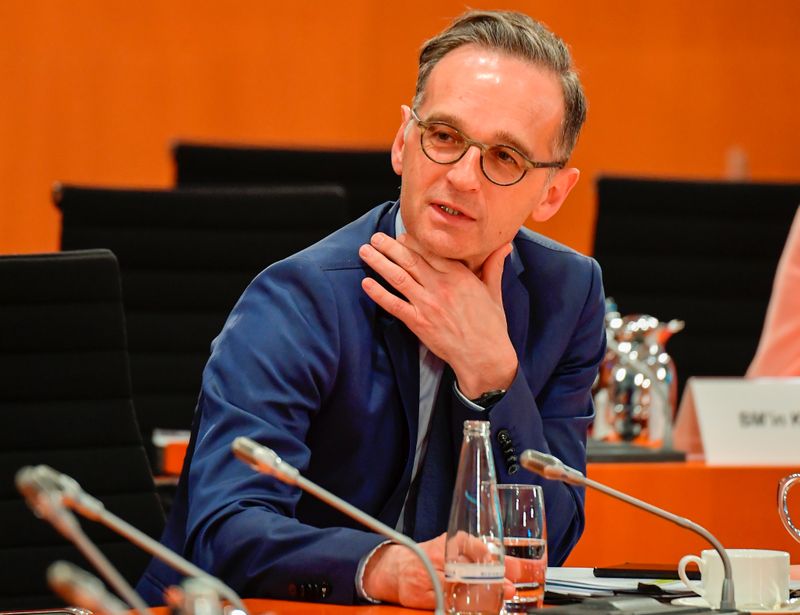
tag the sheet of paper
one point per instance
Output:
(582, 582)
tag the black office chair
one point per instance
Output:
(65, 401)
(704, 252)
(366, 175)
(185, 257)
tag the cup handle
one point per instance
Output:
(785, 484)
(695, 587)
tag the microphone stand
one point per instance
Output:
(265, 460)
(48, 505)
(73, 496)
(552, 468)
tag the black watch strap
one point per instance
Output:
(489, 398)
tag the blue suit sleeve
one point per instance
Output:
(269, 373)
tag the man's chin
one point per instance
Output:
(453, 253)
(444, 249)
(444, 245)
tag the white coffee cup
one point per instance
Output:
(760, 577)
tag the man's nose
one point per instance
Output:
(466, 174)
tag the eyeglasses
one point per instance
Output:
(503, 165)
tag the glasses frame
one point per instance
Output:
(483, 148)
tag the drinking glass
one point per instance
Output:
(525, 542)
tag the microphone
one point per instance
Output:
(73, 496)
(199, 598)
(553, 468)
(79, 587)
(41, 488)
(550, 467)
(42, 495)
(265, 460)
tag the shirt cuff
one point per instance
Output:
(469, 404)
(362, 565)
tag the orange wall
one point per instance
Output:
(93, 91)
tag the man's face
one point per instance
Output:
(493, 98)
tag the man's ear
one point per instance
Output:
(560, 186)
(400, 140)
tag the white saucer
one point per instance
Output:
(690, 601)
(792, 605)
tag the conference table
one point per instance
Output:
(259, 606)
(736, 504)
(262, 606)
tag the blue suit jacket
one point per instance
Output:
(310, 366)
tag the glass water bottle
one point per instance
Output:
(474, 556)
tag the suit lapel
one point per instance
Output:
(516, 303)
(402, 347)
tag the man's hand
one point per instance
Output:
(395, 574)
(456, 313)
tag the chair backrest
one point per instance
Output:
(185, 257)
(367, 175)
(65, 401)
(703, 252)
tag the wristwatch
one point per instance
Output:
(489, 398)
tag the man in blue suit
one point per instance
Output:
(333, 357)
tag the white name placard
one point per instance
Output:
(737, 421)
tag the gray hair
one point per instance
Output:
(522, 37)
